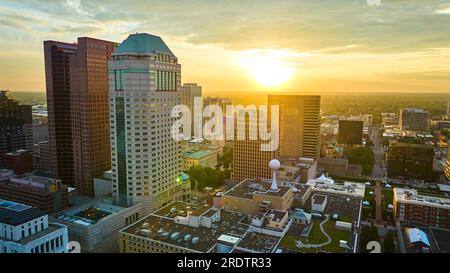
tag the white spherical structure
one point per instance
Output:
(274, 164)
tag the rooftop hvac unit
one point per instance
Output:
(175, 236)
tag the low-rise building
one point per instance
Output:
(203, 229)
(96, 223)
(20, 161)
(205, 158)
(421, 209)
(252, 196)
(45, 193)
(26, 229)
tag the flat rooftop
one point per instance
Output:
(89, 212)
(162, 229)
(182, 209)
(14, 214)
(258, 242)
(411, 196)
(347, 188)
(248, 187)
(198, 155)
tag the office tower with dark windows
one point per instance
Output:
(78, 113)
(299, 125)
(350, 132)
(144, 86)
(410, 160)
(16, 131)
(57, 77)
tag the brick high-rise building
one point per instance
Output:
(299, 125)
(78, 112)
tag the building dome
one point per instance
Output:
(274, 164)
(143, 43)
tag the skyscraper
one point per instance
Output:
(249, 160)
(299, 125)
(15, 126)
(90, 111)
(190, 91)
(350, 132)
(57, 77)
(144, 85)
(78, 113)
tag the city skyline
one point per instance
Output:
(225, 127)
(349, 46)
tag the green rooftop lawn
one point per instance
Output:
(317, 237)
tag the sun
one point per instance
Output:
(268, 67)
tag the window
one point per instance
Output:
(118, 80)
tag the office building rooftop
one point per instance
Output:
(14, 214)
(411, 196)
(248, 187)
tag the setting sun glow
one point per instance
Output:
(268, 67)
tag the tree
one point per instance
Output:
(363, 156)
(388, 245)
(226, 158)
(202, 177)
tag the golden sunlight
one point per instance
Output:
(268, 67)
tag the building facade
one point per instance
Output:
(47, 194)
(16, 131)
(299, 125)
(350, 132)
(26, 229)
(190, 92)
(410, 160)
(413, 207)
(144, 85)
(413, 119)
(58, 91)
(78, 112)
(90, 111)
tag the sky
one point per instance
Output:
(225, 46)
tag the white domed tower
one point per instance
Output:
(274, 165)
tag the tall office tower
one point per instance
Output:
(90, 111)
(190, 91)
(16, 131)
(350, 132)
(57, 77)
(413, 119)
(249, 161)
(78, 113)
(299, 125)
(144, 85)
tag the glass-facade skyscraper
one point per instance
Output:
(144, 86)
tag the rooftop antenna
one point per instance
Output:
(274, 165)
